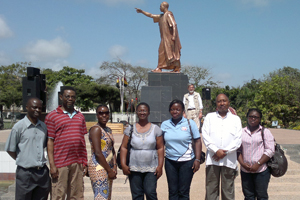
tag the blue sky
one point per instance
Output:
(237, 39)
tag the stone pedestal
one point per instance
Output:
(161, 90)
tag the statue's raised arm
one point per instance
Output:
(169, 50)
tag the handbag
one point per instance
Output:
(278, 163)
(128, 150)
(202, 157)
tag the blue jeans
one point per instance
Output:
(255, 185)
(143, 183)
(179, 177)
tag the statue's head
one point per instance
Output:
(163, 6)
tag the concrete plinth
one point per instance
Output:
(161, 90)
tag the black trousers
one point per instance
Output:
(32, 183)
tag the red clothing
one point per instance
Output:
(68, 135)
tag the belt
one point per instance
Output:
(192, 109)
(37, 168)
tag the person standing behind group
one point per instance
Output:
(181, 161)
(66, 147)
(26, 144)
(221, 132)
(102, 167)
(193, 105)
(254, 153)
(146, 155)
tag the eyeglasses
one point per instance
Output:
(102, 113)
(253, 117)
(70, 97)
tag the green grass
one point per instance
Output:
(6, 183)
(8, 125)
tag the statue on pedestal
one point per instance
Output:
(169, 48)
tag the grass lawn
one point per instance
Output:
(4, 186)
(8, 125)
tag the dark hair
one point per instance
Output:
(143, 104)
(254, 109)
(102, 105)
(176, 101)
(63, 88)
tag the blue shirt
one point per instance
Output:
(28, 141)
(178, 139)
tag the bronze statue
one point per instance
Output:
(169, 48)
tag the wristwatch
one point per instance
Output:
(258, 163)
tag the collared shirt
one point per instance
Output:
(71, 115)
(28, 141)
(191, 101)
(253, 147)
(222, 133)
(178, 139)
(68, 135)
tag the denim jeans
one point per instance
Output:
(143, 183)
(255, 185)
(179, 177)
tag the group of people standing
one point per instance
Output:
(176, 145)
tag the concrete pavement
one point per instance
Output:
(283, 188)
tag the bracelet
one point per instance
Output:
(115, 164)
(197, 160)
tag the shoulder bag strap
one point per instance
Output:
(190, 130)
(263, 136)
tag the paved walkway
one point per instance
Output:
(284, 188)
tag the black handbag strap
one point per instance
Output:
(130, 133)
(263, 136)
(190, 130)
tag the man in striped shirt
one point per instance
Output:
(66, 147)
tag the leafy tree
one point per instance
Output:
(199, 76)
(279, 99)
(89, 93)
(11, 84)
(136, 77)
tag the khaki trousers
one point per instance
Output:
(69, 184)
(213, 175)
(194, 115)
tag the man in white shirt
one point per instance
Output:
(193, 105)
(222, 133)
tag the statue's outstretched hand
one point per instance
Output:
(138, 10)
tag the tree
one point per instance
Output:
(136, 77)
(71, 77)
(279, 99)
(199, 76)
(11, 84)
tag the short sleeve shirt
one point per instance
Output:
(143, 152)
(178, 139)
(68, 135)
(28, 141)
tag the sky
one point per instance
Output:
(238, 40)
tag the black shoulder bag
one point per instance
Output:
(278, 163)
(128, 150)
(202, 157)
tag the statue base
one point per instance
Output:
(161, 90)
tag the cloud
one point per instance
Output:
(43, 50)
(5, 31)
(4, 60)
(117, 51)
(94, 72)
(256, 3)
(55, 65)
